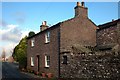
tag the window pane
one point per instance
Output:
(47, 61)
(47, 37)
(32, 61)
(32, 42)
(48, 58)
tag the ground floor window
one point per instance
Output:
(32, 61)
(47, 61)
(65, 59)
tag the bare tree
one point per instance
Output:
(3, 55)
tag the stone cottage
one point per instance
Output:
(47, 50)
(76, 48)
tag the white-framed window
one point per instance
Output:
(33, 42)
(47, 61)
(47, 37)
(32, 61)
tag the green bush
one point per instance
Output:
(20, 54)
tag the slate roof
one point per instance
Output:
(109, 24)
(56, 25)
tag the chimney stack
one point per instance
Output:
(81, 10)
(43, 26)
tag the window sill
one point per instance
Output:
(46, 67)
(65, 63)
(32, 46)
(32, 66)
(47, 42)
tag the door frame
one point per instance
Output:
(38, 63)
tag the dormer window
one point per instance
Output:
(47, 37)
(33, 42)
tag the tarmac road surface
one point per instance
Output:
(10, 71)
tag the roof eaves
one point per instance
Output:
(54, 26)
(93, 23)
(67, 20)
(107, 25)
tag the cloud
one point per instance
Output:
(20, 17)
(19, 14)
(20, 20)
(3, 23)
(12, 34)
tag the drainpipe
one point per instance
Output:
(59, 52)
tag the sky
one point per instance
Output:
(19, 18)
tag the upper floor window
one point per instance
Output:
(33, 42)
(47, 37)
(47, 61)
(32, 61)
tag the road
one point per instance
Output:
(10, 71)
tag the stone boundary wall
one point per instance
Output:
(99, 65)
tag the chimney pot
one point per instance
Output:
(43, 26)
(78, 3)
(83, 4)
(44, 23)
(112, 20)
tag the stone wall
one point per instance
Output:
(107, 36)
(97, 65)
(78, 30)
(109, 33)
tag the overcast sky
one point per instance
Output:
(18, 18)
